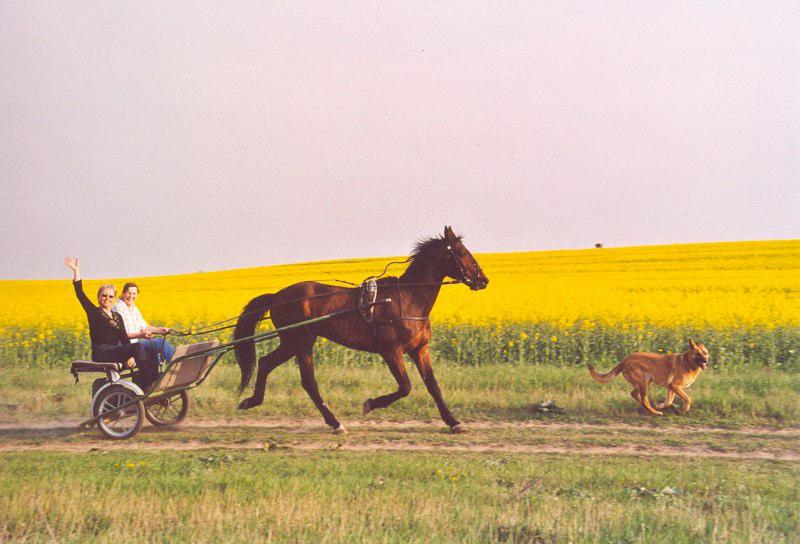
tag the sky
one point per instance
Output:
(153, 138)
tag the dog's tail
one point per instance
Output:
(605, 378)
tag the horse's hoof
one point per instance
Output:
(340, 430)
(248, 403)
(366, 408)
(458, 429)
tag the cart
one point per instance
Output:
(119, 406)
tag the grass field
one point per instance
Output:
(721, 397)
(337, 496)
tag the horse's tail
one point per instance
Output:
(607, 377)
(246, 326)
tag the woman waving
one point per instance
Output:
(110, 342)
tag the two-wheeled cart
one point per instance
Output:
(119, 406)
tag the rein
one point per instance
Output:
(214, 328)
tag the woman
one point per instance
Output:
(137, 328)
(110, 342)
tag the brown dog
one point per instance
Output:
(674, 372)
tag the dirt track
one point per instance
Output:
(315, 425)
(495, 437)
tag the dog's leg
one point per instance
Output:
(638, 399)
(645, 402)
(668, 402)
(687, 402)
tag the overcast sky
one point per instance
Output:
(157, 138)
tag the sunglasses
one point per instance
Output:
(106, 296)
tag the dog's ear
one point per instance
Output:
(692, 344)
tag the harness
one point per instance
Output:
(367, 294)
(366, 299)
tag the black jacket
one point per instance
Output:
(104, 331)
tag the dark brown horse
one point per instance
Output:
(398, 327)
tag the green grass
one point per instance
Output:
(280, 496)
(722, 397)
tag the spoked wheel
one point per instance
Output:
(169, 410)
(124, 414)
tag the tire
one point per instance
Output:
(115, 425)
(169, 410)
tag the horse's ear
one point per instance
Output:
(692, 344)
(448, 232)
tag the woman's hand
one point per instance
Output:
(71, 263)
(130, 363)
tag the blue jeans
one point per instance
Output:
(158, 347)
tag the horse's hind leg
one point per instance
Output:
(422, 358)
(394, 360)
(306, 364)
(266, 364)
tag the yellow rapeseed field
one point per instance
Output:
(741, 284)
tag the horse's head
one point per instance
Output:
(461, 265)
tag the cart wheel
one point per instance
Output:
(167, 410)
(122, 423)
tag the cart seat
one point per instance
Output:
(186, 367)
(94, 366)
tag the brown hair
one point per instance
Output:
(128, 286)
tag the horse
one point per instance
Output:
(395, 328)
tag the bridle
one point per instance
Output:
(461, 270)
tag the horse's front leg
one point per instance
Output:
(394, 360)
(422, 358)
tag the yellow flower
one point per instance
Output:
(755, 284)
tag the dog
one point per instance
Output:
(674, 372)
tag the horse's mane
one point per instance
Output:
(426, 249)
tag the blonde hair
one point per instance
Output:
(104, 287)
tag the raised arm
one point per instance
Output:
(72, 264)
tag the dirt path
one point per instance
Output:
(314, 425)
(494, 437)
(95, 446)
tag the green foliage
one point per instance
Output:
(519, 343)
